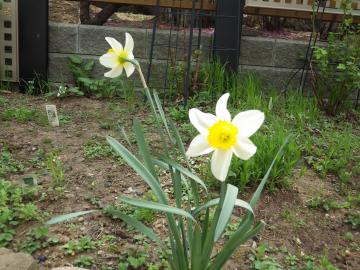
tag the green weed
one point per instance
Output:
(74, 247)
(55, 168)
(292, 218)
(84, 261)
(143, 214)
(324, 203)
(36, 239)
(134, 261)
(95, 149)
(87, 85)
(268, 143)
(65, 119)
(9, 165)
(3, 101)
(264, 262)
(24, 115)
(332, 150)
(15, 209)
(353, 219)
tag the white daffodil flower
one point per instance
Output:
(223, 136)
(116, 57)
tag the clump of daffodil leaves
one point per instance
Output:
(192, 233)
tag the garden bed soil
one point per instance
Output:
(290, 222)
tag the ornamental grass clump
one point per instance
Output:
(194, 229)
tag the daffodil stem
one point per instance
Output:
(143, 81)
(152, 105)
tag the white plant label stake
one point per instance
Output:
(52, 115)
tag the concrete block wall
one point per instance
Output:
(274, 59)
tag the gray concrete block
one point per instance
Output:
(63, 38)
(278, 78)
(257, 51)
(290, 53)
(92, 39)
(175, 46)
(59, 72)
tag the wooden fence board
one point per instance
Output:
(280, 8)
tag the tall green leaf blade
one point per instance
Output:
(124, 134)
(180, 145)
(162, 114)
(144, 148)
(184, 171)
(138, 226)
(196, 249)
(157, 207)
(178, 140)
(238, 238)
(208, 242)
(139, 168)
(177, 184)
(226, 211)
(67, 217)
(261, 186)
(238, 203)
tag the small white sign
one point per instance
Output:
(52, 115)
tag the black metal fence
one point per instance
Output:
(225, 46)
(227, 23)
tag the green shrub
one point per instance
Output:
(337, 68)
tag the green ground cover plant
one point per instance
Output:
(24, 115)
(87, 85)
(9, 165)
(95, 148)
(74, 247)
(36, 239)
(145, 215)
(16, 208)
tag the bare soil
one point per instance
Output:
(290, 222)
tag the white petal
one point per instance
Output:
(201, 121)
(244, 148)
(130, 56)
(221, 108)
(109, 60)
(129, 43)
(248, 122)
(220, 163)
(115, 45)
(129, 69)
(199, 146)
(115, 72)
